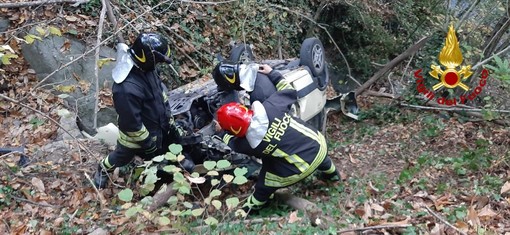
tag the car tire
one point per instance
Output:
(312, 55)
(242, 53)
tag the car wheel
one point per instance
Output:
(312, 55)
(242, 53)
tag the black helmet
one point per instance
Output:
(226, 76)
(150, 49)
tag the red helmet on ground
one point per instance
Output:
(234, 118)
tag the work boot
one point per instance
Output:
(331, 177)
(100, 177)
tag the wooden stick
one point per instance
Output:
(162, 197)
(102, 200)
(410, 51)
(443, 220)
(32, 202)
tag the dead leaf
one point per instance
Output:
(487, 212)
(472, 217)
(506, 187)
(66, 46)
(353, 160)
(293, 217)
(38, 184)
(71, 18)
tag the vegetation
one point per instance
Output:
(432, 169)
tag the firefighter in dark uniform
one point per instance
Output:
(145, 123)
(247, 77)
(290, 149)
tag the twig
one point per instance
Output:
(471, 8)
(94, 48)
(49, 118)
(111, 18)
(32, 202)
(102, 200)
(7, 226)
(33, 3)
(443, 220)
(96, 66)
(323, 28)
(410, 51)
(374, 228)
(490, 58)
(10, 153)
(379, 94)
(464, 108)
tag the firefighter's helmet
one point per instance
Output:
(226, 76)
(150, 49)
(234, 118)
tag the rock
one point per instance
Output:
(4, 24)
(48, 55)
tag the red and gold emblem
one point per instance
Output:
(450, 57)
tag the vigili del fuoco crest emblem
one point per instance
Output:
(450, 57)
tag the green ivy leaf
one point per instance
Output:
(180, 158)
(213, 173)
(232, 202)
(209, 165)
(126, 195)
(159, 158)
(217, 204)
(147, 188)
(197, 212)
(185, 189)
(175, 148)
(170, 157)
(223, 164)
(172, 200)
(215, 193)
(240, 171)
(179, 177)
(211, 221)
(187, 205)
(214, 182)
(171, 168)
(163, 221)
(132, 211)
(240, 180)
(150, 178)
(228, 178)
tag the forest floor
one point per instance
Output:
(407, 171)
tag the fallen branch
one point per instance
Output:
(37, 3)
(161, 197)
(410, 51)
(379, 94)
(100, 196)
(113, 20)
(443, 220)
(32, 202)
(374, 228)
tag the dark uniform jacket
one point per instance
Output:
(142, 105)
(291, 149)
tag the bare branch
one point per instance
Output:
(443, 220)
(410, 51)
(96, 66)
(374, 228)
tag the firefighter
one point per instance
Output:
(290, 149)
(231, 76)
(146, 126)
